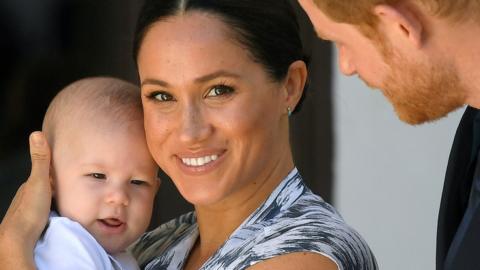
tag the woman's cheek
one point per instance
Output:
(158, 128)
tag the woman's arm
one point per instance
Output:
(28, 213)
(298, 261)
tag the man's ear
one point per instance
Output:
(295, 84)
(401, 22)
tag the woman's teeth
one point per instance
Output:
(195, 162)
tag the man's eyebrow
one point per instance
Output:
(201, 79)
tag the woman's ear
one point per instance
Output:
(401, 22)
(295, 83)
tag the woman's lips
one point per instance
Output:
(200, 163)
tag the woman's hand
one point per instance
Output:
(28, 213)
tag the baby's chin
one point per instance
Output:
(113, 247)
(114, 244)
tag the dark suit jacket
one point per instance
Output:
(457, 250)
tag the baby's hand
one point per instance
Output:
(28, 213)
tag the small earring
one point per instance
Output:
(289, 111)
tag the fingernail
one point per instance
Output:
(37, 139)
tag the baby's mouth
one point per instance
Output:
(111, 222)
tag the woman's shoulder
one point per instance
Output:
(157, 241)
(293, 220)
(312, 225)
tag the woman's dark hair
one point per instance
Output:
(267, 28)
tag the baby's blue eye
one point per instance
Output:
(98, 175)
(138, 182)
(219, 90)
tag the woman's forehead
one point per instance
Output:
(191, 46)
(198, 27)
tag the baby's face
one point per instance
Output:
(106, 180)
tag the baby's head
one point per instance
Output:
(104, 176)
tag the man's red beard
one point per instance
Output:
(422, 92)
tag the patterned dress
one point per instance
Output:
(292, 219)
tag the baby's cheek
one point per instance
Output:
(144, 206)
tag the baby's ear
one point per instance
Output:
(52, 176)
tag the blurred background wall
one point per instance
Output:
(384, 176)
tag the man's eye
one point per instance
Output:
(219, 90)
(138, 182)
(98, 175)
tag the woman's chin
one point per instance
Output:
(201, 197)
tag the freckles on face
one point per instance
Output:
(213, 116)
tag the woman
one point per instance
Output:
(219, 80)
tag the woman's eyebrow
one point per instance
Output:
(154, 82)
(201, 79)
(216, 74)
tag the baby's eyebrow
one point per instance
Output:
(92, 165)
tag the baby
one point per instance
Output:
(105, 180)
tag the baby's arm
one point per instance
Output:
(28, 213)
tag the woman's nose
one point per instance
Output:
(347, 67)
(195, 127)
(117, 196)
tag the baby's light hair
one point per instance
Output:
(103, 100)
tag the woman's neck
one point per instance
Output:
(217, 222)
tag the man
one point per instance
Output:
(423, 57)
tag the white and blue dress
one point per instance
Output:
(292, 219)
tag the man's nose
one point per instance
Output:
(345, 62)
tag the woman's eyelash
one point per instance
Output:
(156, 94)
(220, 89)
(153, 94)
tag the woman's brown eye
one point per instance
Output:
(160, 96)
(163, 97)
(219, 90)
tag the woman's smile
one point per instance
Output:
(200, 163)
